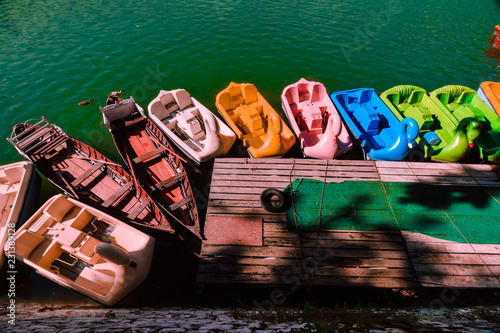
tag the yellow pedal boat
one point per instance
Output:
(254, 121)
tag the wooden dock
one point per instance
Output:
(247, 245)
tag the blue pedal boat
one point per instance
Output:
(379, 131)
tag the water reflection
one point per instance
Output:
(493, 53)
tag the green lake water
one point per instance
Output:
(57, 53)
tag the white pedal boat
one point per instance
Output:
(82, 248)
(19, 190)
(194, 129)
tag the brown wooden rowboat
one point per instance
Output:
(150, 157)
(85, 174)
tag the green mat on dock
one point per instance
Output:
(455, 213)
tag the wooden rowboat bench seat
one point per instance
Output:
(133, 122)
(138, 208)
(181, 203)
(39, 141)
(120, 125)
(168, 182)
(149, 154)
(117, 194)
(87, 173)
(47, 148)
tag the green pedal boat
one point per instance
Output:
(462, 102)
(440, 137)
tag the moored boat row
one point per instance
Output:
(156, 193)
(403, 122)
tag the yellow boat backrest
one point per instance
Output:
(250, 93)
(226, 101)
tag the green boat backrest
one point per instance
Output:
(466, 97)
(416, 96)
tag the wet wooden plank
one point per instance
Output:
(456, 258)
(291, 281)
(440, 262)
(319, 270)
(234, 231)
(295, 252)
(459, 281)
(330, 261)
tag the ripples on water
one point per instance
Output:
(55, 54)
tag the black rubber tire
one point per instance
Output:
(267, 204)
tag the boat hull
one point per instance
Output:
(489, 93)
(439, 138)
(193, 128)
(148, 154)
(19, 190)
(315, 120)
(85, 174)
(61, 240)
(382, 135)
(254, 121)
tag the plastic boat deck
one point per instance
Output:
(247, 245)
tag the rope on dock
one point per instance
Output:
(318, 227)
(295, 218)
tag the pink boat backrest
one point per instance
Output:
(159, 110)
(292, 99)
(168, 100)
(303, 92)
(318, 93)
(59, 208)
(164, 106)
(26, 242)
(183, 99)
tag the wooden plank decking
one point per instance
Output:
(389, 259)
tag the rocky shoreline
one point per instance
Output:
(193, 319)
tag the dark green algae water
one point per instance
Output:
(56, 53)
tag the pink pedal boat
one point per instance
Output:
(315, 120)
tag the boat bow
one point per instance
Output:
(402, 144)
(328, 145)
(463, 139)
(272, 144)
(212, 137)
